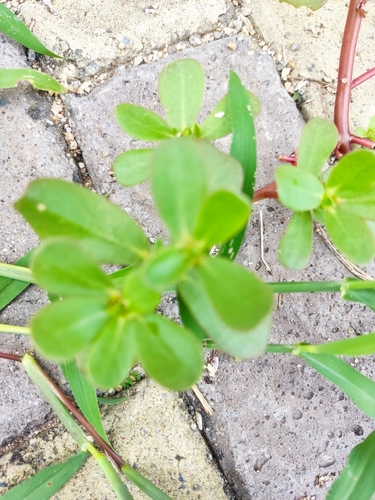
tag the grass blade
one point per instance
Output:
(48, 481)
(14, 27)
(85, 395)
(144, 484)
(360, 389)
(357, 480)
(243, 148)
(110, 401)
(10, 77)
(9, 288)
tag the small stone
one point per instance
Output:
(73, 145)
(199, 420)
(327, 461)
(358, 430)
(194, 426)
(81, 165)
(232, 45)
(296, 46)
(138, 60)
(69, 137)
(195, 40)
(285, 73)
(218, 35)
(297, 415)
(121, 46)
(261, 462)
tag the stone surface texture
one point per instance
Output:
(279, 429)
(151, 430)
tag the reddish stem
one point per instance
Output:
(269, 191)
(288, 159)
(363, 78)
(13, 357)
(362, 141)
(345, 74)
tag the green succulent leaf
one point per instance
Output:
(297, 189)
(357, 346)
(132, 167)
(85, 395)
(296, 244)
(310, 4)
(113, 354)
(142, 124)
(351, 235)
(223, 171)
(357, 479)
(221, 217)
(48, 481)
(219, 124)
(10, 288)
(179, 184)
(166, 268)
(351, 184)
(170, 354)
(10, 77)
(239, 298)
(181, 88)
(241, 344)
(54, 207)
(366, 297)
(139, 297)
(62, 329)
(14, 27)
(318, 140)
(360, 389)
(61, 267)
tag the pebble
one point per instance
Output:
(218, 35)
(296, 46)
(232, 45)
(326, 461)
(358, 430)
(297, 415)
(195, 40)
(138, 60)
(194, 426)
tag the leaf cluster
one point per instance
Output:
(342, 198)
(108, 323)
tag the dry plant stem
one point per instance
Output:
(74, 411)
(345, 74)
(13, 357)
(363, 78)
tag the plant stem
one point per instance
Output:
(13, 357)
(362, 141)
(280, 348)
(18, 273)
(363, 78)
(48, 389)
(20, 330)
(110, 473)
(345, 74)
(320, 286)
(268, 191)
(288, 159)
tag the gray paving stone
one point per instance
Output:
(278, 426)
(31, 147)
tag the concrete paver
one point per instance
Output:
(279, 429)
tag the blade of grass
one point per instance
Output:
(49, 392)
(10, 288)
(14, 27)
(110, 401)
(48, 481)
(85, 395)
(243, 148)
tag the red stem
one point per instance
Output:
(288, 159)
(345, 74)
(268, 191)
(363, 78)
(13, 357)
(362, 141)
